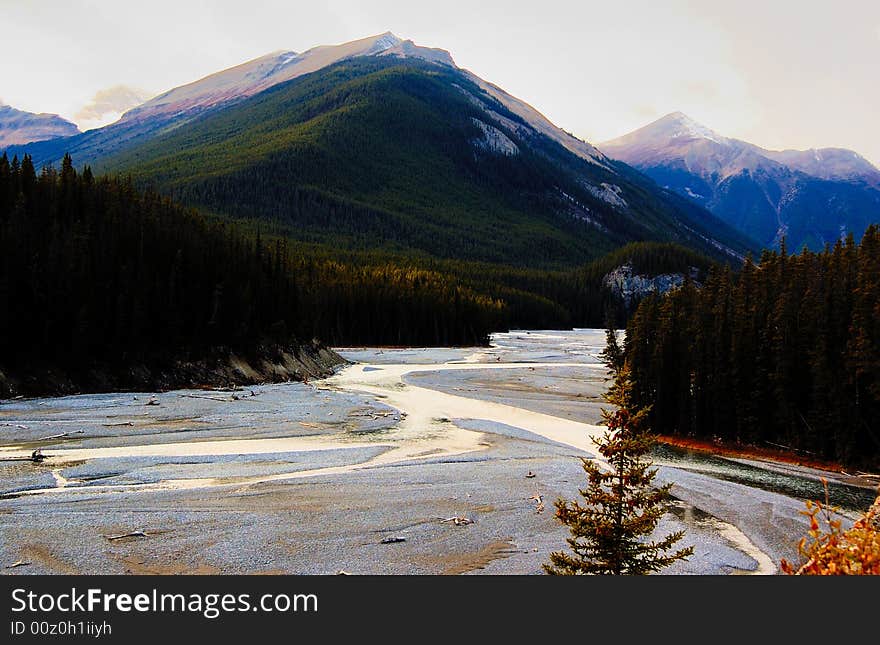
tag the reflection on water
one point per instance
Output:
(847, 497)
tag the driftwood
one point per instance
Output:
(36, 457)
(458, 521)
(394, 539)
(789, 448)
(539, 502)
(18, 563)
(116, 425)
(63, 434)
(867, 475)
(207, 398)
(126, 535)
(376, 416)
(232, 399)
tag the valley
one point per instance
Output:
(310, 478)
(337, 310)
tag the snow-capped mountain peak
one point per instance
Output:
(828, 163)
(180, 105)
(807, 195)
(383, 43)
(261, 73)
(678, 138)
(680, 125)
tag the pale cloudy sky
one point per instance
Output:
(779, 73)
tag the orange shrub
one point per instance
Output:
(832, 551)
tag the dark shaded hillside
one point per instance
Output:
(404, 155)
(808, 211)
(102, 287)
(95, 275)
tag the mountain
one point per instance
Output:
(381, 144)
(179, 106)
(18, 127)
(262, 73)
(811, 197)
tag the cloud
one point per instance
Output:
(702, 89)
(112, 101)
(645, 110)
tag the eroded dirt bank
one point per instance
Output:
(220, 368)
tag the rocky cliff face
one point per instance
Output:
(268, 364)
(629, 287)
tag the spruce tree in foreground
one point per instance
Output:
(621, 508)
(612, 355)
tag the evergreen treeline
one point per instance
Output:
(93, 270)
(536, 298)
(786, 353)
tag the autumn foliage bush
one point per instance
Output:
(833, 551)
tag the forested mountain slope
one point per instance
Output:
(382, 152)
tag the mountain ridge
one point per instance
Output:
(180, 105)
(416, 149)
(19, 127)
(335, 154)
(812, 197)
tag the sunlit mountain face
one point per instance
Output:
(809, 197)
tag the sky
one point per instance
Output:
(779, 73)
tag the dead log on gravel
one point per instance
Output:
(207, 398)
(539, 502)
(36, 457)
(126, 535)
(394, 539)
(59, 436)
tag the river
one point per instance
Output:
(299, 478)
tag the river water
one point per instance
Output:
(801, 485)
(394, 442)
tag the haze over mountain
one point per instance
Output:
(811, 197)
(18, 127)
(383, 143)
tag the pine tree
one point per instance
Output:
(612, 355)
(622, 508)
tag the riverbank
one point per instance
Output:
(220, 367)
(303, 478)
(829, 469)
